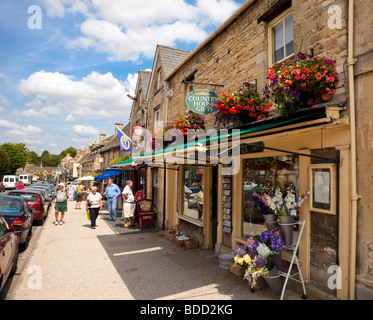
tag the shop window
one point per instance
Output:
(281, 37)
(193, 192)
(258, 174)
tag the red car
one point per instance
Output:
(8, 252)
(36, 201)
(2, 187)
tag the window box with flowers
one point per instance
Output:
(300, 83)
(239, 108)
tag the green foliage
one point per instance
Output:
(18, 156)
(120, 159)
(4, 163)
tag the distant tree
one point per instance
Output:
(18, 155)
(34, 158)
(4, 163)
(72, 151)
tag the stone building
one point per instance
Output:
(331, 140)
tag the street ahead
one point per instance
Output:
(73, 261)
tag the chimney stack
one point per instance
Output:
(102, 137)
(119, 125)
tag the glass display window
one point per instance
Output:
(193, 192)
(257, 176)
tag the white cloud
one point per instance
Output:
(85, 131)
(127, 30)
(95, 96)
(2, 76)
(70, 118)
(58, 8)
(18, 130)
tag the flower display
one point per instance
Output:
(238, 108)
(256, 256)
(300, 83)
(189, 121)
(285, 203)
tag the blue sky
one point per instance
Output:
(64, 84)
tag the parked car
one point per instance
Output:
(192, 199)
(2, 187)
(26, 179)
(18, 215)
(10, 182)
(8, 252)
(47, 187)
(47, 198)
(36, 201)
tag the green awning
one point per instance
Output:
(255, 127)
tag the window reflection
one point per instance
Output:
(193, 192)
(257, 175)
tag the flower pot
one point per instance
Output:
(277, 260)
(274, 282)
(286, 228)
(270, 220)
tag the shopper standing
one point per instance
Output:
(112, 192)
(61, 203)
(79, 196)
(128, 200)
(94, 205)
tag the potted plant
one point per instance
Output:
(300, 83)
(239, 108)
(266, 247)
(286, 206)
(158, 138)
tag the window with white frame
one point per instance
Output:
(281, 37)
(157, 118)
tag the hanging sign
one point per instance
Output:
(201, 101)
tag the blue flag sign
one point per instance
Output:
(124, 141)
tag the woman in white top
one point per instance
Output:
(94, 205)
(128, 200)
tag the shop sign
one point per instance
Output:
(201, 101)
(145, 212)
(138, 133)
(246, 148)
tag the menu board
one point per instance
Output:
(227, 205)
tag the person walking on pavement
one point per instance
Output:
(79, 196)
(112, 192)
(61, 203)
(94, 205)
(128, 201)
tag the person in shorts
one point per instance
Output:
(61, 203)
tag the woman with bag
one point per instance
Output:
(94, 205)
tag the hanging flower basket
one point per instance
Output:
(239, 108)
(189, 121)
(301, 83)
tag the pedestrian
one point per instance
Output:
(128, 200)
(139, 194)
(21, 185)
(70, 192)
(112, 192)
(94, 205)
(61, 203)
(79, 196)
(200, 203)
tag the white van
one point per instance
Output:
(10, 182)
(26, 179)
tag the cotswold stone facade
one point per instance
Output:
(241, 51)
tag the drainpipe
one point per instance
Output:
(355, 197)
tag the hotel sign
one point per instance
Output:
(201, 101)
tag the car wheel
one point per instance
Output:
(14, 268)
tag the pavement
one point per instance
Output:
(74, 262)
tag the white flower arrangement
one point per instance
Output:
(285, 206)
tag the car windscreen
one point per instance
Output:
(10, 207)
(26, 196)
